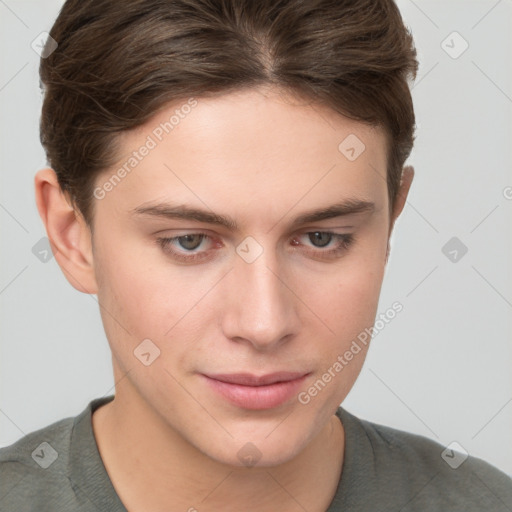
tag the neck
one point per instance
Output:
(174, 471)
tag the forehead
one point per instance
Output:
(247, 148)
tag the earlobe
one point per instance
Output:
(69, 235)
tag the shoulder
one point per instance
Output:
(34, 469)
(422, 474)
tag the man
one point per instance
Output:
(225, 177)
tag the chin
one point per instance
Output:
(258, 453)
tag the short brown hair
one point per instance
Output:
(118, 63)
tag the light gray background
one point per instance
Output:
(441, 368)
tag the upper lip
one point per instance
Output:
(247, 379)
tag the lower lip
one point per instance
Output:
(257, 397)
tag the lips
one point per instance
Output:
(246, 379)
(255, 392)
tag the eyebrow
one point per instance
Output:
(184, 212)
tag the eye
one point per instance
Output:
(323, 239)
(190, 242)
(182, 247)
(195, 247)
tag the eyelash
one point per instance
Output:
(344, 243)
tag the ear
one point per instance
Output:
(401, 198)
(69, 235)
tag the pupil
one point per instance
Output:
(188, 242)
(322, 238)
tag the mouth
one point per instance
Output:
(254, 392)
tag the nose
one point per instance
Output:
(261, 308)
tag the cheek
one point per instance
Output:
(144, 297)
(149, 298)
(135, 296)
(345, 299)
(348, 307)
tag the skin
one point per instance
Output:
(263, 158)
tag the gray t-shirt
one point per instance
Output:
(58, 468)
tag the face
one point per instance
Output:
(227, 322)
